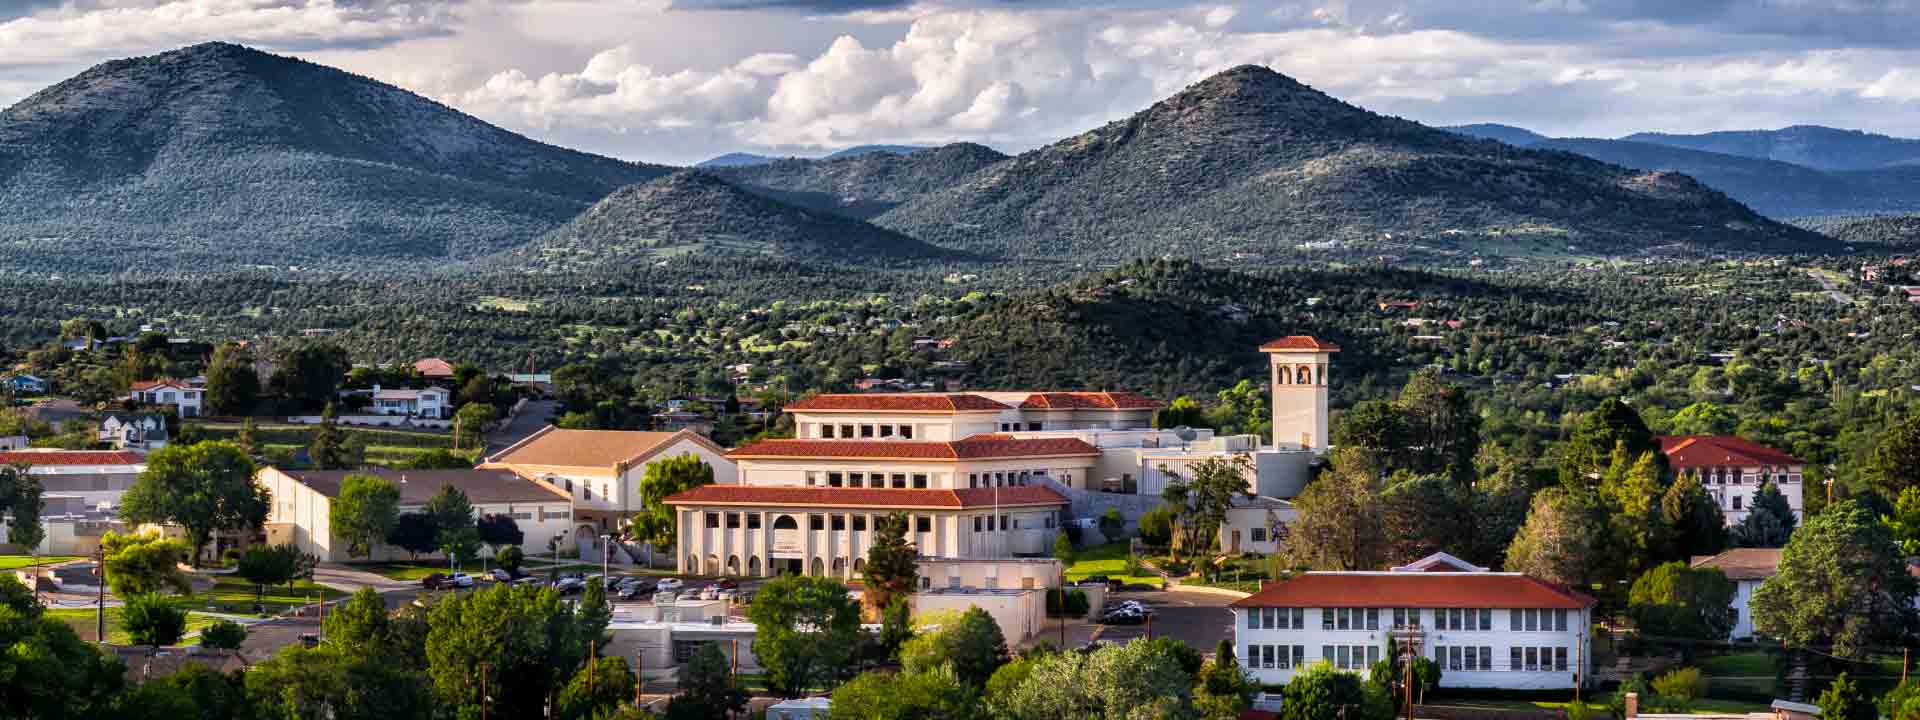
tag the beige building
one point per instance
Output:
(302, 502)
(97, 478)
(600, 470)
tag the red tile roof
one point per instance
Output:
(976, 447)
(73, 457)
(1299, 342)
(1689, 451)
(1416, 590)
(1023, 496)
(1089, 401)
(898, 402)
(433, 367)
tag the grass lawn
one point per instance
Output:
(235, 595)
(15, 562)
(82, 622)
(409, 570)
(1109, 560)
(1744, 664)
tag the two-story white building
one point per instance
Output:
(1746, 568)
(187, 397)
(429, 402)
(145, 432)
(601, 471)
(97, 478)
(1485, 629)
(1733, 470)
(302, 503)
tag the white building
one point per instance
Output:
(97, 477)
(600, 470)
(302, 502)
(145, 432)
(1486, 629)
(1733, 470)
(187, 397)
(1746, 568)
(431, 402)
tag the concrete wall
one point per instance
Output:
(1021, 614)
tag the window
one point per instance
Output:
(973, 480)
(856, 480)
(1373, 618)
(1033, 426)
(1533, 659)
(976, 523)
(733, 521)
(1266, 656)
(1373, 654)
(1560, 659)
(1003, 522)
(859, 523)
(1258, 534)
(920, 481)
(683, 650)
(1473, 658)
(1560, 620)
(1736, 502)
(839, 522)
(1533, 619)
(866, 431)
(1345, 657)
(1299, 656)
(1486, 619)
(713, 520)
(816, 522)
(923, 524)
(1513, 619)
(1345, 620)
(826, 431)
(1454, 657)
(1486, 658)
(886, 431)
(846, 431)
(1254, 618)
(1326, 622)
(899, 480)
(753, 521)
(834, 479)
(1513, 663)
(906, 432)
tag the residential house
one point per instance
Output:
(1747, 568)
(24, 384)
(430, 402)
(677, 420)
(145, 432)
(601, 471)
(1734, 469)
(187, 397)
(302, 501)
(1487, 630)
(97, 477)
(434, 369)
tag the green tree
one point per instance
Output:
(1842, 584)
(1500, 505)
(521, 643)
(1770, 521)
(300, 683)
(973, 646)
(1426, 676)
(1120, 682)
(896, 627)
(1321, 692)
(1378, 427)
(1845, 700)
(1244, 409)
(929, 694)
(439, 459)
(206, 488)
(247, 439)
(1703, 418)
(1156, 527)
(499, 530)
(1567, 540)
(707, 689)
(1063, 548)
(476, 390)
(364, 513)
(805, 631)
(329, 450)
(1182, 412)
(597, 689)
(1339, 526)
(1222, 690)
(893, 564)
(415, 533)
(233, 388)
(1678, 601)
(153, 620)
(214, 696)
(450, 508)
(1200, 502)
(1423, 515)
(510, 558)
(472, 420)
(1894, 464)
(1443, 430)
(1589, 449)
(144, 564)
(20, 501)
(309, 373)
(656, 523)
(1693, 518)
(49, 671)
(460, 544)
(1635, 491)
(265, 565)
(223, 635)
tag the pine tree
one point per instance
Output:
(1769, 521)
(893, 564)
(329, 450)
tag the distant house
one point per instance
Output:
(1733, 469)
(434, 368)
(1913, 295)
(134, 431)
(186, 396)
(1393, 305)
(24, 384)
(432, 402)
(1747, 568)
(677, 420)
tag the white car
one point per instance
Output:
(460, 580)
(669, 585)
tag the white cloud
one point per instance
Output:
(84, 31)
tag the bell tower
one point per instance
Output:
(1299, 380)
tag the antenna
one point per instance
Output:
(1186, 435)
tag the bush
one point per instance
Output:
(1678, 688)
(510, 557)
(151, 619)
(1156, 527)
(223, 635)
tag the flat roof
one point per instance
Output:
(481, 486)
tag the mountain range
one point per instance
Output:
(743, 159)
(217, 156)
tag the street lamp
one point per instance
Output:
(606, 549)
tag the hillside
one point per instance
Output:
(1515, 136)
(735, 159)
(694, 212)
(216, 155)
(1813, 146)
(859, 150)
(1772, 187)
(862, 185)
(1251, 160)
(1891, 231)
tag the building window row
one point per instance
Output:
(1350, 618)
(1276, 618)
(1016, 427)
(1538, 659)
(1351, 657)
(1463, 657)
(1276, 657)
(1463, 619)
(1537, 620)
(1019, 478)
(897, 481)
(865, 430)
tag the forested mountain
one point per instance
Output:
(1251, 160)
(1515, 136)
(1809, 145)
(1773, 187)
(217, 154)
(863, 184)
(735, 159)
(695, 212)
(859, 150)
(1892, 231)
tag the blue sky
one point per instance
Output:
(681, 80)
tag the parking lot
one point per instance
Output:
(1199, 619)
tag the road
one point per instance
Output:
(531, 418)
(1199, 619)
(1831, 288)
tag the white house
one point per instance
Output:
(431, 402)
(302, 501)
(186, 396)
(24, 384)
(134, 431)
(1733, 470)
(1747, 568)
(1486, 629)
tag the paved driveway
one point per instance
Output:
(1199, 619)
(531, 418)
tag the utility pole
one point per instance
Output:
(100, 596)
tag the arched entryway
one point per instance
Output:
(713, 565)
(693, 564)
(859, 565)
(753, 566)
(733, 564)
(839, 567)
(819, 568)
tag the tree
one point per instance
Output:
(1678, 601)
(233, 388)
(1339, 526)
(1567, 540)
(1842, 584)
(521, 643)
(477, 390)
(1200, 503)
(1222, 690)
(300, 683)
(364, 513)
(206, 488)
(1376, 426)
(144, 564)
(1182, 412)
(1845, 700)
(893, 564)
(460, 544)
(329, 450)
(309, 373)
(1500, 505)
(223, 635)
(472, 420)
(1063, 549)
(450, 509)
(656, 524)
(499, 530)
(1423, 515)
(1695, 524)
(153, 620)
(20, 500)
(1156, 527)
(1589, 449)
(1112, 524)
(415, 533)
(1443, 430)
(1118, 682)
(706, 687)
(597, 689)
(806, 629)
(896, 627)
(1426, 676)
(1703, 418)
(1322, 692)
(1770, 522)
(438, 459)
(974, 647)
(931, 694)
(1894, 464)
(510, 558)
(248, 438)
(1635, 492)
(265, 565)
(212, 695)
(50, 672)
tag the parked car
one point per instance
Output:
(1124, 616)
(529, 581)
(433, 581)
(500, 575)
(569, 585)
(710, 592)
(670, 585)
(727, 584)
(460, 580)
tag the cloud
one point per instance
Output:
(85, 31)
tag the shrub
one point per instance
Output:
(223, 635)
(151, 619)
(1677, 689)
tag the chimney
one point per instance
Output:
(1633, 705)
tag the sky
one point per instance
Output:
(678, 81)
